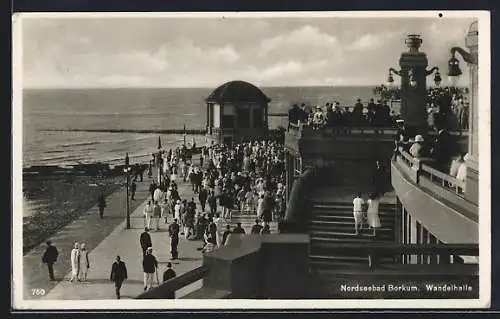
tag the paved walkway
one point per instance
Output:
(108, 238)
(88, 228)
(125, 243)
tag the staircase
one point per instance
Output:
(333, 222)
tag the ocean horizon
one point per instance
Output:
(45, 110)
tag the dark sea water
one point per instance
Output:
(169, 108)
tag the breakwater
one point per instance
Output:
(144, 131)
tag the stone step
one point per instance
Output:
(339, 235)
(344, 228)
(352, 240)
(382, 206)
(327, 258)
(336, 223)
(347, 217)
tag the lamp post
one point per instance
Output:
(454, 71)
(127, 169)
(413, 75)
(159, 160)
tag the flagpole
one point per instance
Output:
(184, 135)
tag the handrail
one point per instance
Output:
(170, 286)
(414, 162)
(343, 130)
(398, 249)
(446, 180)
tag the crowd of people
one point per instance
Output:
(333, 115)
(247, 177)
(448, 106)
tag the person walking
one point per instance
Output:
(266, 229)
(84, 262)
(226, 234)
(238, 229)
(212, 202)
(167, 275)
(101, 203)
(372, 214)
(118, 275)
(157, 214)
(148, 214)
(149, 266)
(256, 228)
(358, 204)
(145, 240)
(50, 257)
(75, 262)
(202, 196)
(133, 188)
(173, 230)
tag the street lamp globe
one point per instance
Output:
(390, 80)
(437, 78)
(454, 67)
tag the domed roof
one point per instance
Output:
(237, 91)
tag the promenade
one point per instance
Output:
(105, 239)
(88, 228)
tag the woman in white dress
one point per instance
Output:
(75, 262)
(84, 262)
(372, 212)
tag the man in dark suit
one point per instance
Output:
(145, 240)
(174, 229)
(169, 274)
(442, 150)
(50, 257)
(118, 275)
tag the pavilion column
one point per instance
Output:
(472, 181)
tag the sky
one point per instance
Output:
(206, 52)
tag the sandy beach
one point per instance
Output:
(52, 202)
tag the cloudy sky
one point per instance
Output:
(205, 52)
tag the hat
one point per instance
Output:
(419, 138)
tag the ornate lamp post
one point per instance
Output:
(127, 169)
(413, 75)
(454, 71)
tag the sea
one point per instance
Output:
(136, 109)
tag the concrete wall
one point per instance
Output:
(449, 224)
(270, 266)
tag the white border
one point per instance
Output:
(484, 102)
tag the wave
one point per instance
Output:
(66, 145)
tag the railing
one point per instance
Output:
(169, 287)
(377, 250)
(446, 181)
(302, 128)
(295, 220)
(296, 129)
(422, 170)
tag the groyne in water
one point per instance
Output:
(146, 131)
